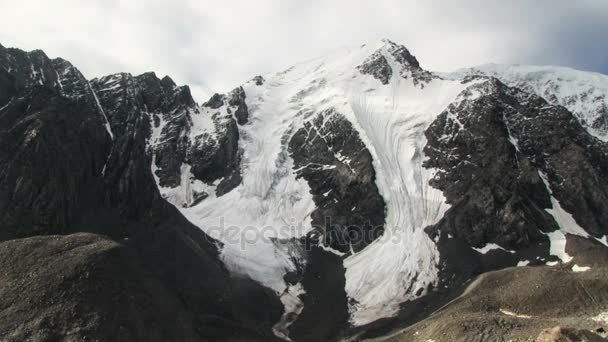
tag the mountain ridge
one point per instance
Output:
(390, 152)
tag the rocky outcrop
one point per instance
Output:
(217, 157)
(491, 149)
(53, 144)
(237, 100)
(582, 93)
(379, 66)
(329, 154)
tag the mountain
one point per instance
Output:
(348, 196)
(65, 170)
(582, 93)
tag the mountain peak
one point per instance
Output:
(400, 53)
(393, 58)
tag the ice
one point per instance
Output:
(270, 204)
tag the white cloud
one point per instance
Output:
(216, 45)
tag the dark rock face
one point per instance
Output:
(497, 196)
(409, 64)
(215, 102)
(325, 301)
(490, 151)
(259, 80)
(215, 158)
(52, 153)
(53, 144)
(349, 215)
(376, 65)
(159, 119)
(219, 157)
(131, 104)
(237, 99)
(24, 70)
(329, 154)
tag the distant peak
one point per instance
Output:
(392, 58)
(401, 54)
(168, 82)
(148, 75)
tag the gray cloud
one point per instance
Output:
(214, 46)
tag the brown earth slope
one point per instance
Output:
(516, 304)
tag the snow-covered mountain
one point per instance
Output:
(346, 191)
(378, 98)
(583, 93)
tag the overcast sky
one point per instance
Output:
(216, 45)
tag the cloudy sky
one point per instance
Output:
(215, 45)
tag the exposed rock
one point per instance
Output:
(52, 151)
(491, 150)
(237, 99)
(377, 66)
(259, 80)
(219, 158)
(215, 102)
(329, 154)
(325, 301)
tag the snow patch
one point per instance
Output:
(293, 307)
(510, 313)
(557, 241)
(566, 223)
(491, 246)
(603, 240)
(602, 317)
(102, 112)
(577, 268)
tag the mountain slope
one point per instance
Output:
(63, 170)
(583, 93)
(371, 118)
